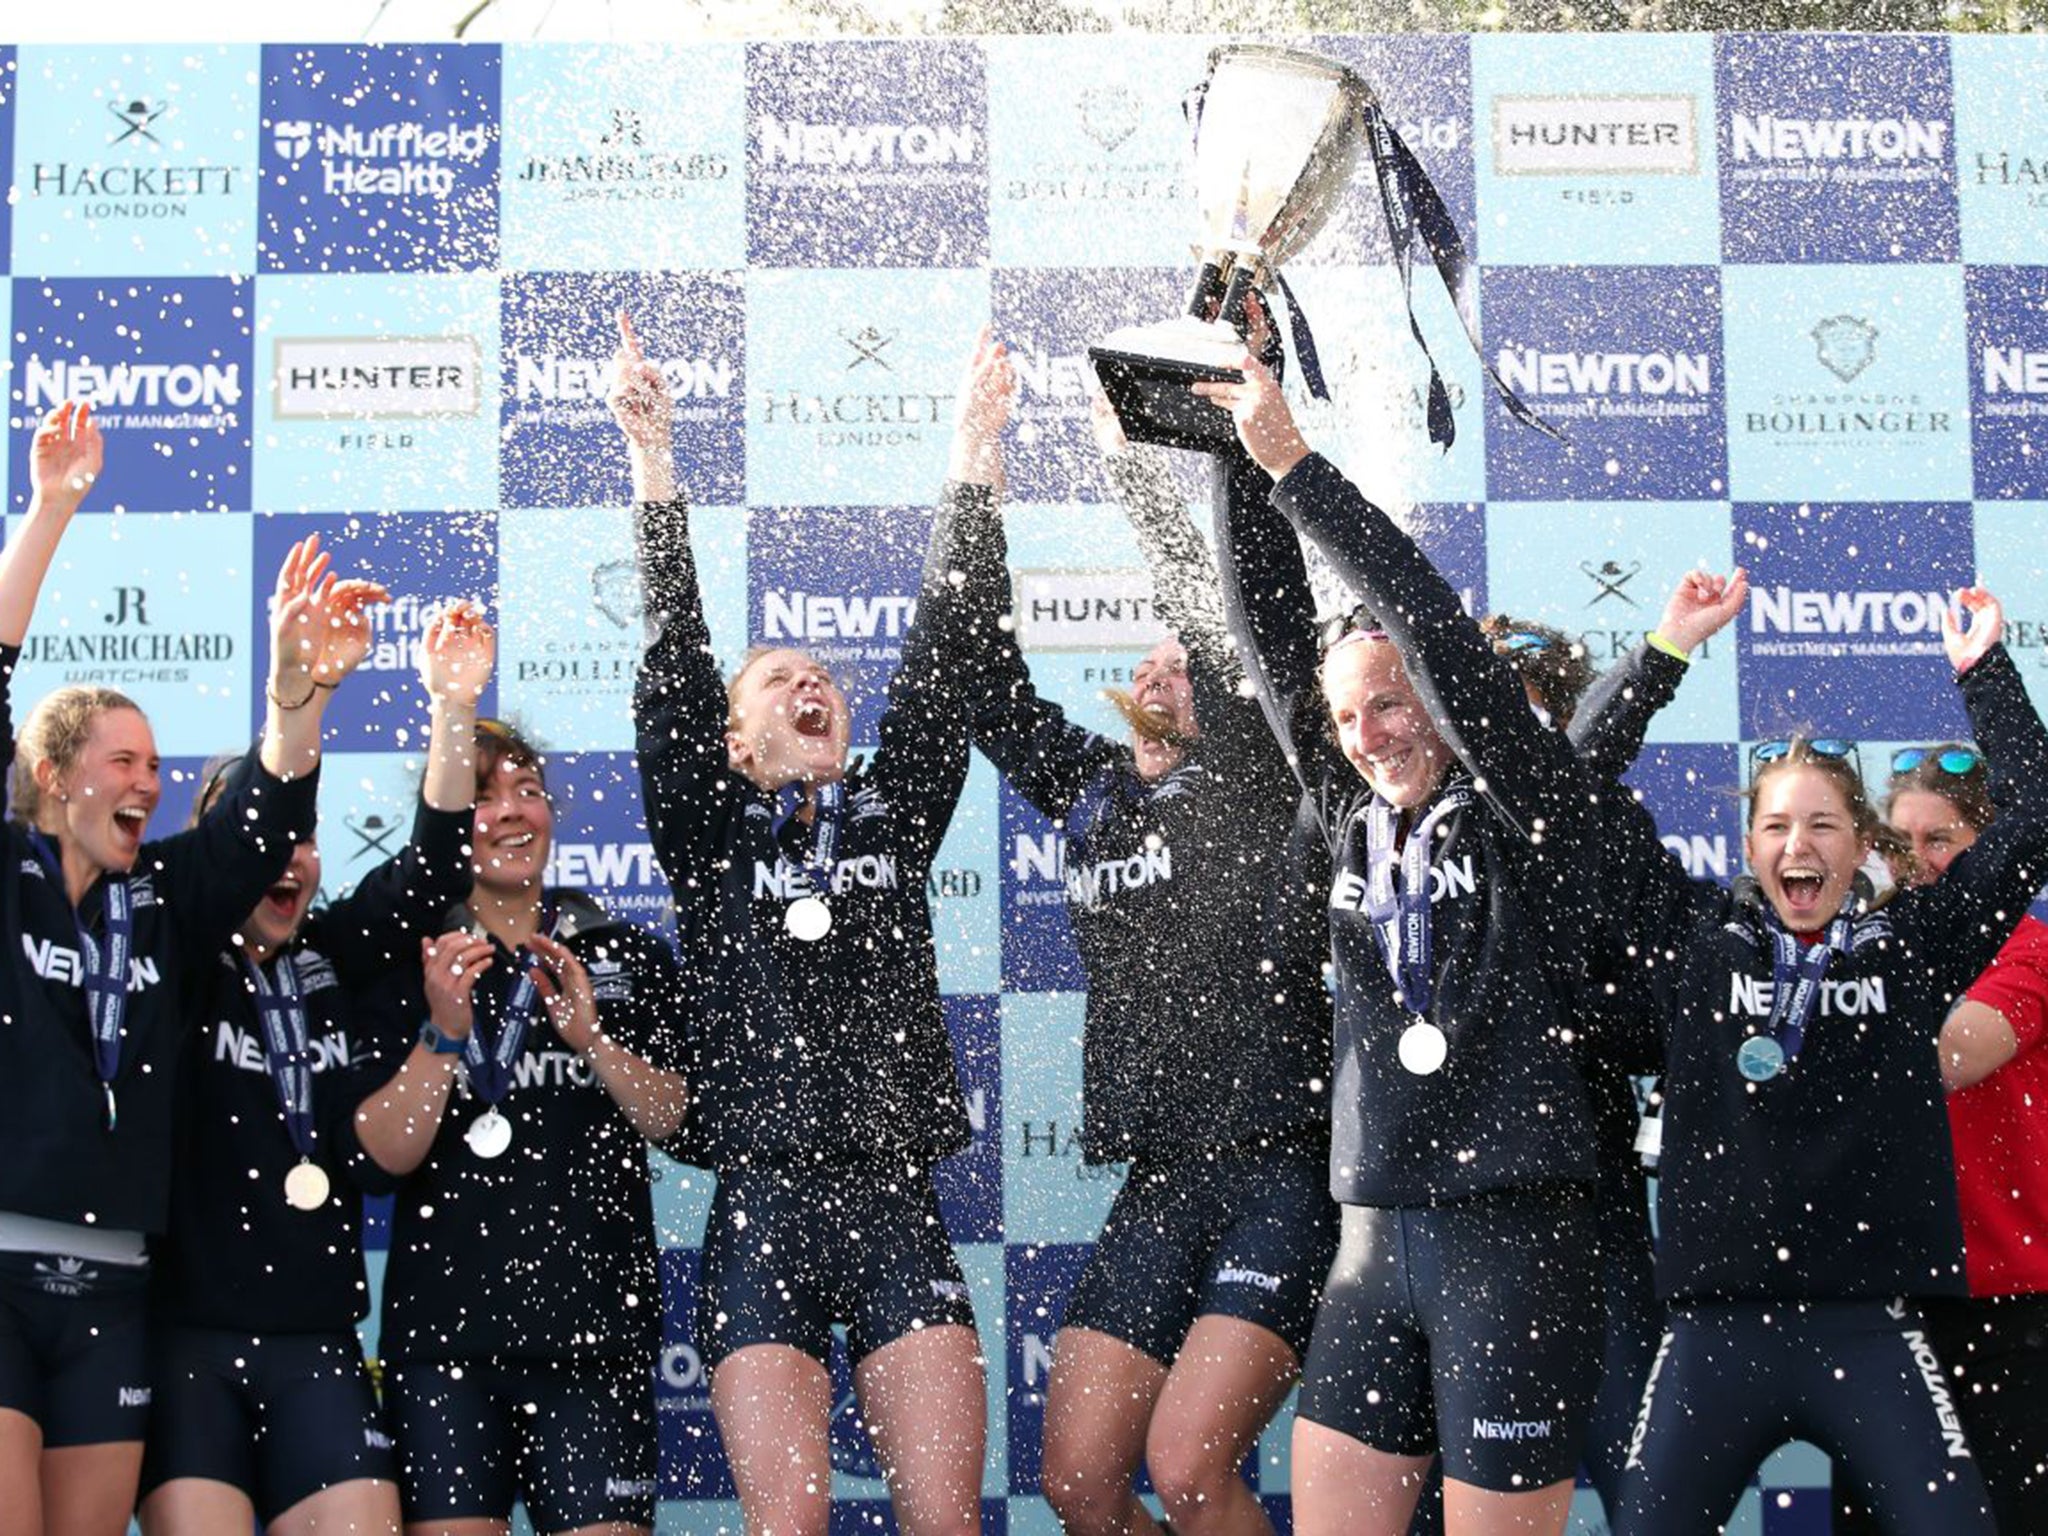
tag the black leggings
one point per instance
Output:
(1860, 1379)
(1996, 1351)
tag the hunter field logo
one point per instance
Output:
(379, 159)
(374, 378)
(1086, 611)
(1626, 361)
(866, 155)
(1595, 136)
(1581, 168)
(1836, 149)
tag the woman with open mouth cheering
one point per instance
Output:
(103, 933)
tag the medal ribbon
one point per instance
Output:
(106, 970)
(287, 1049)
(1797, 979)
(1413, 206)
(1400, 912)
(819, 865)
(490, 1071)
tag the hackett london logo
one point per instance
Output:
(1609, 578)
(136, 182)
(852, 418)
(136, 119)
(1596, 136)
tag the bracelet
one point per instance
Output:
(1660, 643)
(319, 686)
(270, 692)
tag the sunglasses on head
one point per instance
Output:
(1955, 761)
(1819, 746)
(1522, 640)
(1360, 623)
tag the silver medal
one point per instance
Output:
(489, 1134)
(306, 1187)
(1423, 1048)
(808, 919)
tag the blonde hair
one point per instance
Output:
(56, 732)
(1872, 828)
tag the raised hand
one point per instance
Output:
(1701, 605)
(1264, 423)
(639, 397)
(457, 655)
(345, 633)
(297, 619)
(988, 393)
(65, 456)
(1967, 647)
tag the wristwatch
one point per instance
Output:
(440, 1044)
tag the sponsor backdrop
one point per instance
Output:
(1775, 292)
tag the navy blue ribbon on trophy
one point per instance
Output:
(490, 1071)
(1797, 971)
(106, 969)
(1413, 206)
(1397, 896)
(287, 1047)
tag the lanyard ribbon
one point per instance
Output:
(1400, 911)
(1797, 978)
(106, 970)
(490, 1070)
(829, 812)
(287, 1047)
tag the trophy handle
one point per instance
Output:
(1208, 292)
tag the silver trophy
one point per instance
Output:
(1277, 134)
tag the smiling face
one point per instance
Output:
(515, 828)
(101, 801)
(283, 907)
(1936, 829)
(1804, 845)
(1381, 725)
(789, 722)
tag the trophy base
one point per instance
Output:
(1153, 401)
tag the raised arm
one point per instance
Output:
(1971, 911)
(679, 703)
(1615, 714)
(615, 1038)
(1048, 759)
(1526, 772)
(65, 457)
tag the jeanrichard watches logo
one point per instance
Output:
(391, 160)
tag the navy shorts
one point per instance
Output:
(1860, 1379)
(789, 1253)
(573, 1440)
(1472, 1328)
(73, 1347)
(281, 1417)
(1248, 1235)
